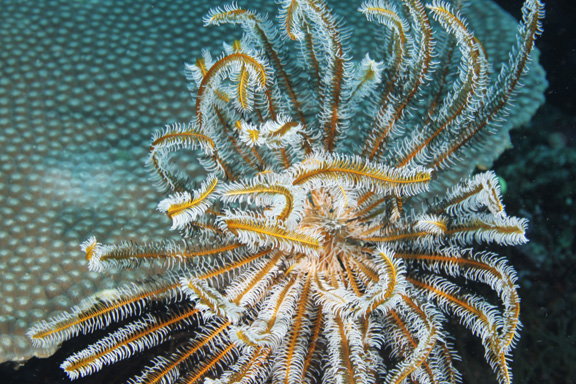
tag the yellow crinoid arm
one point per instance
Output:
(125, 342)
(321, 169)
(101, 310)
(475, 313)
(211, 341)
(263, 232)
(269, 190)
(185, 207)
(255, 67)
(104, 257)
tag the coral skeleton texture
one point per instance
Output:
(327, 241)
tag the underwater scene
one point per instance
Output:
(287, 191)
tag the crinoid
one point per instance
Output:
(327, 241)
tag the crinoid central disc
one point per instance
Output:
(328, 212)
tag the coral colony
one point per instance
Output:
(326, 241)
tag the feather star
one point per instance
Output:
(326, 241)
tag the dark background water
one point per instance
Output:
(558, 48)
(540, 173)
(541, 176)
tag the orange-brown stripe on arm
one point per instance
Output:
(442, 82)
(352, 279)
(252, 366)
(399, 39)
(204, 101)
(280, 300)
(185, 207)
(264, 189)
(461, 303)
(488, 228)
(123, 343)
(476, 314)
(232, 265)
(99, 311)
(356, 172)
(243, 79)
(419, 70)
(238, 294)
(365, 196)
(281, 70)
(309, 46)
(177, 209)
(372, 205)
(397, 236)
(345, 350)
(502, 91)
(488, 270)
(130, 255)
(312, 347)
(331, 124)
(265, 233)
(210, 364)
(229, 133)
(297, 27)
(172, 139)
(362, 266)
(220, 68)
(295, 332)
(290, 17)
(421, 348)
(332, 96)
(474, 70)
(167, 369)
